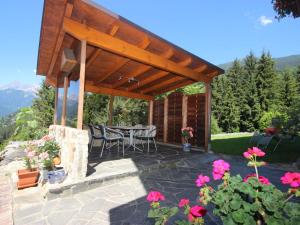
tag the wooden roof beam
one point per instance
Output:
(163, 84)
(117, 92)
(59, 40)
(173, 87)
(158, 75)
(117, 46)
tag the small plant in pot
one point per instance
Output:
(28, 177)
(187, 133)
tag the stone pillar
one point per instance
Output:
(74, 149)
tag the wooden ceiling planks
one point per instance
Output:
(118, 51)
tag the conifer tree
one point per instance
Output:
(289, 91)
(250, 111)
(43, 105)
(266, 83)
(298, 79)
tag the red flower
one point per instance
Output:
(293, 179)
(155, 196)
(262, 179)
(195, 212)
(253, 152)
(183, 202)
(219, 169)
(202, 180)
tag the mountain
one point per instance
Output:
(280, 63)
(11, 100)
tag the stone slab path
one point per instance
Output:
(5, 201)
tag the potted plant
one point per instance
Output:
(187, 133)
(29, 177)
(251, 200)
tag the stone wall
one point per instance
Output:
(74, 149)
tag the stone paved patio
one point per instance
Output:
(123, 202)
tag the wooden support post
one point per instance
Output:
(150, 113)
(65, 98)
(166, 107)
(184, 112)
(81, 84)
(110, 110)
(208, 117)
(55, 107)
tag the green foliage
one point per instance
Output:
(268, 117)
(162, 214)
(95, 109)
(27, 127)
(248, 90)
(215, 129)
(43, 106)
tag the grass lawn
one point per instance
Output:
(287, 151)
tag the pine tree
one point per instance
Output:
(267, 83)
(250, 111)
(298, 79)
(289, 90)
(43, 105)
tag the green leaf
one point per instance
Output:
(235, 204)
(228, 220)
(239, 216)
(292, 209)
(182, 222)
(295, 220)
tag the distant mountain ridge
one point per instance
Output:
(280, 63)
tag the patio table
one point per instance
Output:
(131, 131)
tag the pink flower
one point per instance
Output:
(195, 212)
(219, 169)
(30, 154)
(201, 180)
(46, 138)
(293, 179)
(183, 202)
(253, 152)
(155, 196)
(44, 155)
(262, 179)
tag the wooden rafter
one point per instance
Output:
(162, 84)
(59, 40)
(158, 75)
(173, 87)
(116, 92)
(123, 48)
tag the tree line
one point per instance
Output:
(252, 90)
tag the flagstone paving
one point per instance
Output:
(124, 202)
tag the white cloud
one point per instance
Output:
(264, 21)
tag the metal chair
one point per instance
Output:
(94, 136)
(264, 142)
(147, 135)
(110, 135)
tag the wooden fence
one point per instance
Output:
(177, 111)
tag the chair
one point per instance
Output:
(110, 135)
(264, 142)
(148, 135)
(94, 136)
(256, 137)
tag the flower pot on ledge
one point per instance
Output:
(27, 178)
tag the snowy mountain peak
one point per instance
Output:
(17, 85)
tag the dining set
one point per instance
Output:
(133, 138)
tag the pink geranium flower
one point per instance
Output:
(183, 202)
(262, 179)
(30, 154)
(202, 180)
(220, 167)
(155, 196)
(253, 152)
(44, 155)
(293, 179)
(195, 212)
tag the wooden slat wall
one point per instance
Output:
(158, 118)
(195, 118)
(174, 118)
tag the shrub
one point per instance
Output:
(215, 129)
(272, 118)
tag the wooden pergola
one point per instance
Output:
(110, 55)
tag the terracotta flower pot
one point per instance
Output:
(27, 178)
(56, 160)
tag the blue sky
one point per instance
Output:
(218, 31)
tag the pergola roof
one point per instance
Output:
(121, 58)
